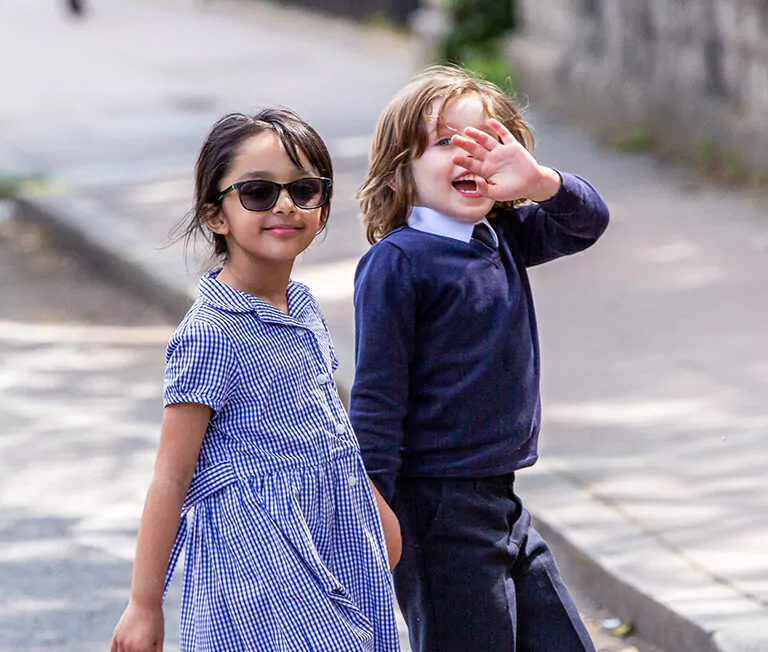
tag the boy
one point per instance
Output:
(446, 401)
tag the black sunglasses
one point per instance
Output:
(261, 195)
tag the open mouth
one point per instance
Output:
(466, 186)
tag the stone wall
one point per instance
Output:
(686, 70)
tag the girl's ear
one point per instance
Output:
(214, 220)
(323, 224)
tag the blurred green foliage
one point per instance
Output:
(474, 41)
(639, 140)
(706, 154)
(725, 165)
(10, 185)
(734, 169)
(381, 21)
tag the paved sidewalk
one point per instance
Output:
(654, 448)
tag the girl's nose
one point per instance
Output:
(284, 202)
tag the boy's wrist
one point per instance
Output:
(548, 185)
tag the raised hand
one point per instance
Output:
(506, 171)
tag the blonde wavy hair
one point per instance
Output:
(402, 135)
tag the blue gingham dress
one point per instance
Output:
(285, 550)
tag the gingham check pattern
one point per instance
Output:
(284, 545)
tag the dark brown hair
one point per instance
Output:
(402, 134)
(221, 147)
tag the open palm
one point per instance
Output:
(506, 169)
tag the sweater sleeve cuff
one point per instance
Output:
(569, 198)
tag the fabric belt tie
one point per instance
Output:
(205, 484)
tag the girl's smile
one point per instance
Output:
(264, 244)
(284, 230)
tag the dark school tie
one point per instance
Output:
(482, 232)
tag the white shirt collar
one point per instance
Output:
(431, 221)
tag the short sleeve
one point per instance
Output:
(200, 367)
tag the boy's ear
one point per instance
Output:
(214, 220)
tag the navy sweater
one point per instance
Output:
(447, 352)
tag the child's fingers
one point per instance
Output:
(469, 163)
(488, 190)
(482, 186)
(469, 145)
(504, 133)
(486, 140)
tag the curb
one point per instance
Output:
(101, 259)
(627, 568)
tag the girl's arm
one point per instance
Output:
(391, 527)
(141, 627)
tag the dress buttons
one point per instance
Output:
(340, 428)
(298, 330)
(352, 480)
(322, 379)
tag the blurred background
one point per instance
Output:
(651, 482)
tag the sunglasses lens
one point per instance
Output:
(308, 193)
(258, 195)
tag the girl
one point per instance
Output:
(284, 546)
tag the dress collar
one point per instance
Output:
(224, 297)
(431, 221)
